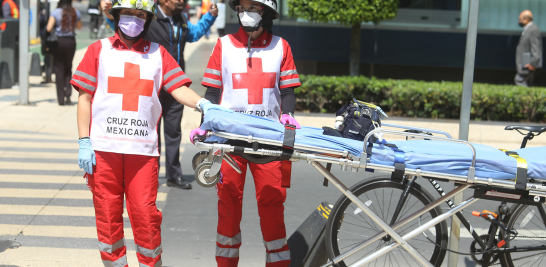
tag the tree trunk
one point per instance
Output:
(354, 60)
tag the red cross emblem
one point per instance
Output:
(255, 80)
(130, 86)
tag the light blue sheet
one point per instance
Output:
(438, 156)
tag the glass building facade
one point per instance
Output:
(494, 15)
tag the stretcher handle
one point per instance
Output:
(471, 170)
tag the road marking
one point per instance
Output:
(24, 178)
(40, 166)
(58, 257)
(45, 155)
(50, 210)
(56, 231)
(64, 145)
(54, 193)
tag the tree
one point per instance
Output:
(348, 12)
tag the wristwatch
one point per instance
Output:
(198, 105)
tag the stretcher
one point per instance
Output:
(515, 176)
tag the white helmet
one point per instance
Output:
(269, 4)
(146, 5)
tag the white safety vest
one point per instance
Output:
(258, 93)
(126, 108)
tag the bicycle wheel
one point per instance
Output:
(349, 226)
(531, 233)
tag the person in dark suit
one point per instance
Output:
(528, 51)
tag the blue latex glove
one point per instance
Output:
(207, 105)
(86, 156)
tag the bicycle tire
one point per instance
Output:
(336, 220)
(520, 214)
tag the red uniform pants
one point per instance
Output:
(270, 196)
(134, 176)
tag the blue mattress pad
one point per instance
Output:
(428, 155)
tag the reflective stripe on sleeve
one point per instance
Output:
(291, 81)
(159, 263)
(121, 262)
(175, 81)
(151, 253)
(228, 241)
(227, 252)
(212, 71)
(85, 75)
(171, 72)
(212, 81)
(85, 85)
(289, 72)
(275, 244)
(277, 256)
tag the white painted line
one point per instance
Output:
(56, 231)
(58, 257)
(50, 193)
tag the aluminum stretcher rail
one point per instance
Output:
(347, 160)
(209, 170)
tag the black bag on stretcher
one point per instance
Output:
(355, 120)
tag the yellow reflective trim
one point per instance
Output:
(325, 210)
(367, 104)
(521, 162)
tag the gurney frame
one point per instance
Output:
(209, 174)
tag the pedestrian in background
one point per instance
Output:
(528, 51)
(64, 20)
(172, 30)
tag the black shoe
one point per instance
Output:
(178, 183)
(68, 102)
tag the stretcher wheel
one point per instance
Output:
(200, 178)
(199, 158)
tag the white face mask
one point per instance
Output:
(250, 19)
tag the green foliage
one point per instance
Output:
(348, 12)
(410, 98)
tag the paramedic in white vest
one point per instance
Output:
(119, 81)
(253, 72)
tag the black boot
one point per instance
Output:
(178, 183)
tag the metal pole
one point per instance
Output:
(35, 19)
(23, 51)
(466, 100)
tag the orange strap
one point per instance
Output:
(286, 170)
